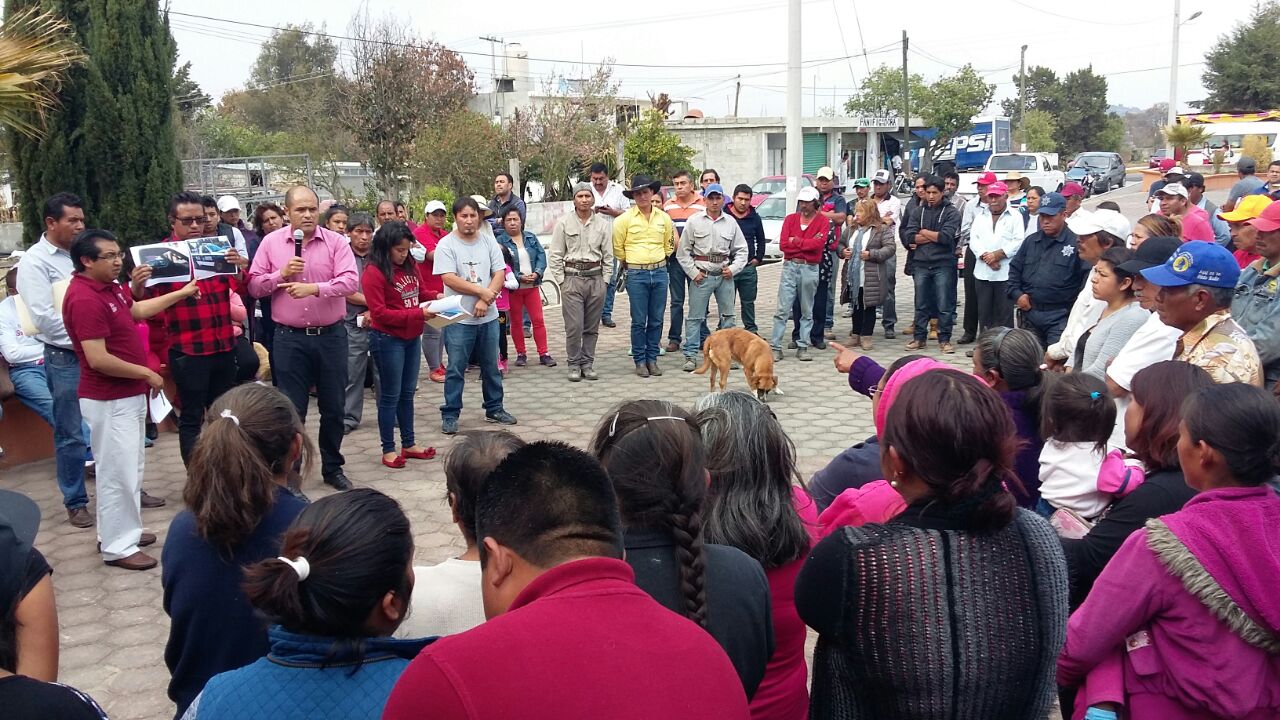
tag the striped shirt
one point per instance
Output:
(680, 214)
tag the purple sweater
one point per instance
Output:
(1179, 660)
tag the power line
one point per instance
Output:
(1110, 23)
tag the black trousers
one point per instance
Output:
(303, 361)
(994, 308)
(201, 379)
(864, 317)
(971, 312)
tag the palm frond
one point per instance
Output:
(36, 50)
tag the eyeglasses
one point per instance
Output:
(110, 256)
(190, 220)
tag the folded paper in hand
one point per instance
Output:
(451, 309)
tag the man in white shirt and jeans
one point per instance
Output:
(995, 236)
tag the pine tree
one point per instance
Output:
(112, 139)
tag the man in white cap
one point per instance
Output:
(229, 211)
(1175, 202)
(1096, 232)
(832, 206)
(803, 241)
(891, 213)
(428, 235)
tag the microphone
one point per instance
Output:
(297, 243)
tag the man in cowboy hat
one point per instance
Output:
(643, 238)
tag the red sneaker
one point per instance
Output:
(437, 375)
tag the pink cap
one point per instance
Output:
(1167, 163)
(1072, 188)
(997, 188)
(986, 178)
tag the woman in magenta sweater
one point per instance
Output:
(1184, 622)
(392, 288)
(756, 503)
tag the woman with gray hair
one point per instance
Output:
(757, 503)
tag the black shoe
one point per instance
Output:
(966, 339)
(338, 481)
(889, 334)
(152, 431)
(608, 322)
(150, 501)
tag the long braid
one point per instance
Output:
(686, 527)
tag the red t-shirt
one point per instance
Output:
(432, 284)
(94, 310)
(393, 306)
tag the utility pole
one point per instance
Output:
(1022, 98)
(1173, 77)
(906, 110)
(795, 136)
(737, 92)
(493, 71)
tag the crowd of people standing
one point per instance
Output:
(1074, 509)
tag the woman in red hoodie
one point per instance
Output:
(392, 288)
(1185, 619)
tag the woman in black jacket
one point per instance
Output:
(654, 454)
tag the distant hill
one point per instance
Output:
(1122, 110)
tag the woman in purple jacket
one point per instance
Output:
(1184, 622)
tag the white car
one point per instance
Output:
(772, 212)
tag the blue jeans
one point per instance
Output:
(398, 362)
(699, 303)
(460, 340)
(609, 291)
(62, 377)
(799, 281)
(648, 291)
(935, 297)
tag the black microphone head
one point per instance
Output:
(297, 242)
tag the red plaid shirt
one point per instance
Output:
(203, 326)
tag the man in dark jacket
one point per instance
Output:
(1047, 273)
(753, 228)
(932, 232)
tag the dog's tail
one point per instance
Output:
(706, 363)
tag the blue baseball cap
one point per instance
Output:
(1196, 263)
(713, 188)
(1052, 203)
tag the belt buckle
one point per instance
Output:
(314, 330)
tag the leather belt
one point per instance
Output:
(798, 261)
(648, 266)
(591, 272)
(314, 330)
(712, 258)
(582, 264)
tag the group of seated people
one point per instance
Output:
(670, 569)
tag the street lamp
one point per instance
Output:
(1173, 72)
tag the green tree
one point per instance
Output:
(463, 154)
(111, 140)
(188, 95)
(1043, 93)
(880, 93)
(1239, 70)
(1111, 137)
(293, 83)
(651, 149)
(1037, 132)
(1082, 120)
(951, 103)
(1183, 136)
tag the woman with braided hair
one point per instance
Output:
(654, 455)
(957, 606)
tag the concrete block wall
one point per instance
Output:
(737, 154)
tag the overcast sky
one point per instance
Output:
(696, 53)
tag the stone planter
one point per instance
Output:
(1221, 181)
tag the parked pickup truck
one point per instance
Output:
(1040, 168)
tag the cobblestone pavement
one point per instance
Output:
(113, 628)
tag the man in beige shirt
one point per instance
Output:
(581, 262)
(712, 249)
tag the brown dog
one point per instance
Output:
(725, 346)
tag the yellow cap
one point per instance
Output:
(1248, 208)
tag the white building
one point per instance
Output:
(743, 150)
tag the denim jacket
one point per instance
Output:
(537, 255)
(306, 676)
(1256, 309)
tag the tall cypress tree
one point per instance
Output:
(112, 139)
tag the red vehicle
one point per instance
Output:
(770, 184)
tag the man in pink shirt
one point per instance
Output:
(308, 277)
(1175, 202)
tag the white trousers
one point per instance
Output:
(116, 430)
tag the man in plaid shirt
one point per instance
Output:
(202, 358)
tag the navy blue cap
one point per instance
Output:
(1052, 203)
(1196, 263)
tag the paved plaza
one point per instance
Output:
(112, 623)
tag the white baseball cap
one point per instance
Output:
(881, 176)
(1086, 222)
(826, 173)
(808, 194)
(433, 206)
(1174, 188)
(227, 203)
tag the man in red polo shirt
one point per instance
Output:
(202, 341)
(569, 634)
(428, 235)
(803, 240)
(101, 319)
